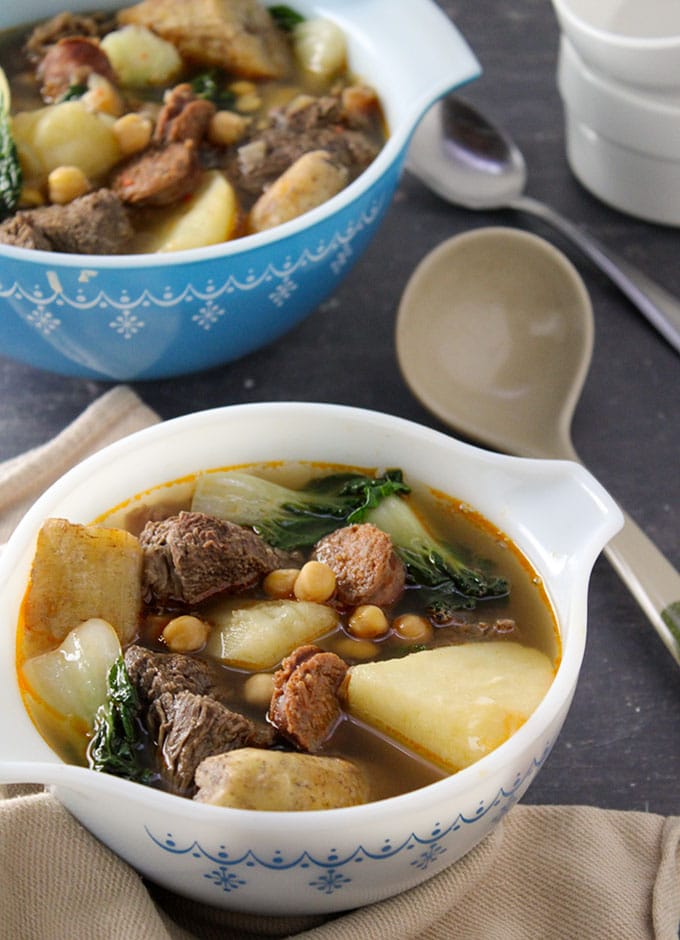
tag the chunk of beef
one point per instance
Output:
(154, 674)
(191, 727)
(183, 707)
(183, 116)
(305, 706)
(62, 26)
(367, 569)
(191, 556)
(305, 124)
(237, 35)
(159, 176)
(95, 224)
(71, 62)
(24, 231)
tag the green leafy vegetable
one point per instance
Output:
(11, 176)
(285, 18)
(73, 93)
(211, 86)
(429, 562)
(291, 519)
(117, 744)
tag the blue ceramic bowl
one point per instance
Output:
(133, 317)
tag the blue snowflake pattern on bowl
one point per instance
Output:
(332, 873)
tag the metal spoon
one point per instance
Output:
(494, 335)
(469, 162)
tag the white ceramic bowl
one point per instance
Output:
(633, 41)
(623, 144)
(128, 317)
(336, 859)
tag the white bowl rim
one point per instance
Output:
(454, 785)
(612, 39)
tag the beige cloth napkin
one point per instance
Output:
(571, 872)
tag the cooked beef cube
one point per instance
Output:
(190, 557)
(24, 231)
(191, 727)
(183, 706)
(367, 569)
(159, 176)
(95, 224)
(305, 706)
(61, 26)
(183, 116)
(304, 125)
(71, 62)
(237, 35)
(153, 674)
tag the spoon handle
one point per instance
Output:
(659, 306)
(653, 581)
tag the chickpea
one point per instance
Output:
(226, 127)
(30, 197)
(243, 87)
(413, 628)
(315, 582)
(133, 132)
(258, 689)
(348, 647)
(280, 582)
(367, 622)
(246, 104)
(185, 634)
(66, 183)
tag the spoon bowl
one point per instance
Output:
(495, 335)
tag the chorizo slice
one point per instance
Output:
(367, 569)
(305, 706)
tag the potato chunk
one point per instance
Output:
(206, 217)
(140, 57)
(65, 134)
(453, 704)
(80, 572)
(251, 778)
(257, 635)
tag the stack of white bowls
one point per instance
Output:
(619, 78)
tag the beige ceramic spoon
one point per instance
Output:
(494, 335)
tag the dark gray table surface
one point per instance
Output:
(620, 747)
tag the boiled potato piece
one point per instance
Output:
(5, 95)
(71, 679)
(453, 704)
(65, 134)
(252, 778)
(206, 218)
(80, 572)
(320, 47)
(140, 57)
(257, 635)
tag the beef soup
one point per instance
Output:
(283, 636)
(168, 125)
